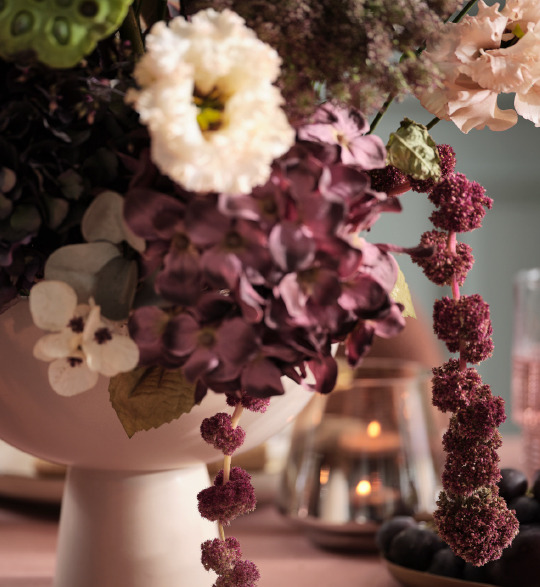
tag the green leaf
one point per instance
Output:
(413, 151)
(402, 295)
(115, 287)
(149, 397)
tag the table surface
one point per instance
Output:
(28, 535)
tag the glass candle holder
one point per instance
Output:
(368, 451)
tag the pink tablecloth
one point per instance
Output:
(285, 557)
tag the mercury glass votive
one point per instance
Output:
(366, 452)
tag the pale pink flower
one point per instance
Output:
(483, 56)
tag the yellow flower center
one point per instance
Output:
(210, 109)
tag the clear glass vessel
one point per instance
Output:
(366, 452)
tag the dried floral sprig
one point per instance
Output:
(349, 47)
(471, 517)
(230, 496)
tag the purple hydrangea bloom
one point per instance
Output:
(346, 128)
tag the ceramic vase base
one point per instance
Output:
(125, 529)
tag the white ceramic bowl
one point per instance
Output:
(84, 429)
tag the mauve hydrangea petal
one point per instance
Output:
(180, 336)
(179, 281)
(324, 371)
(261, 378)
(221, 269)
(152, 215)
(207, 224)
(200, 362)
(292, 246)
(358, 342)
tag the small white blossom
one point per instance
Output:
(207, 98)
(81, 344)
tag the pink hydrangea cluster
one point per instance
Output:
(471, 517)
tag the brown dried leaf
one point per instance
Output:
(148, 397)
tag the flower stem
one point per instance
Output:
(131, 31)
(432, 123)
(227, 460)
(380, 114)
(464, 10)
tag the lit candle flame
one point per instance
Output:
(363, 488)
(324, 475)
(373, 429)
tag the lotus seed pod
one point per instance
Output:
(58, 32)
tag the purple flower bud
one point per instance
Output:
(470, 468)
(460, 204)
(442, 265)
(448, 164)
(224, 503)
(219, 432)
(253, 404)
(220, 555)
(452, 388)
(476, 527)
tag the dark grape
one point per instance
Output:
(447, 564)
(513, 483)
(414, 547)
(536, 485)
(519, 565)
(527, 509)
(389, 529)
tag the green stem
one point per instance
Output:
(465, 10)
(432, 123)
(380, 114)
(130, 31)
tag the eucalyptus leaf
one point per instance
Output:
(78, 265)
(26, 219)
(115, 287)
(413, 151)
(149, 397)
(71, 184)
(8, 179)
(104, 220)
(6, 206)
(57, 210)
(402, 295)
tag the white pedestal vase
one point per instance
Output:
(129, 513)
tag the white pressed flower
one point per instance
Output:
(207, 98)
(82, 344)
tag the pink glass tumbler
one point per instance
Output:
(526, 365)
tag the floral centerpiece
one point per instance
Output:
(186, 193)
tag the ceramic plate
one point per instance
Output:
(411, 578)
(350, 536)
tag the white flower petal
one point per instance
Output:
(58, 345)
(52, 304)
(118, 355)
(71, 378)
(215, 52)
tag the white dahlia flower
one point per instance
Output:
(206, 95)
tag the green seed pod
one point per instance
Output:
(59, 32)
